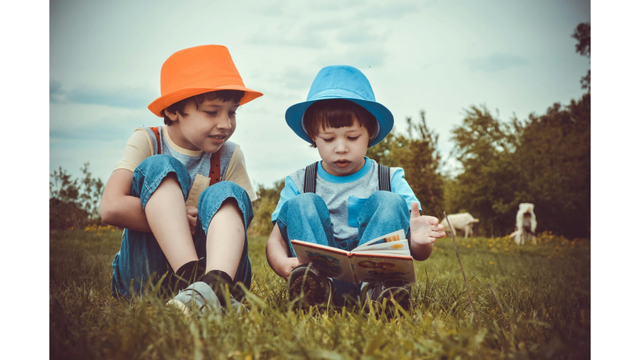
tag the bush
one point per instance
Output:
(73, 204)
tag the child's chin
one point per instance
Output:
(212, 148)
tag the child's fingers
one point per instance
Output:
(193, 211)
(415, 210)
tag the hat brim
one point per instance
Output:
(295, 113)
(164, 101)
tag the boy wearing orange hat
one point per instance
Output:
(181, 191)
(345, 199)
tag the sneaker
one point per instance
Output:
(306, 280)
(388, 290)
(196, 297)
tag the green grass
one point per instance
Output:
(544, 291)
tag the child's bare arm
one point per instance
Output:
(424, 232)
(118, 207)
(278, 254)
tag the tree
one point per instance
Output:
(544, 160)
(582, 33)
(73, 203)
(419, 158)
(486, 187)
(264, 207)
(64, 209)
(90, 193)
(554, 156)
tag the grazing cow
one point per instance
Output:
(463, 221)
(525, 224)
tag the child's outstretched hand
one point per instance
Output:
(424, 229)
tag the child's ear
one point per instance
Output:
(173, 116)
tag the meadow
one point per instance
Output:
(531, 301)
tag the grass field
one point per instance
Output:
(543, 290)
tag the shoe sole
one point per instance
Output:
(179, 305)
(309, 283)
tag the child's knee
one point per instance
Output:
(230, 206)
(305, 205)
(222, 191)
(155, 168)
(163, 161)
(384, 205)
(225, 196)
(387, 199)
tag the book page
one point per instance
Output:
(332, 262)
(391, 237)
(398, 248)
(373, 268)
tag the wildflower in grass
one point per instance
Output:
(468, 246)
(490, 262)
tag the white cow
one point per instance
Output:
(463, 221)
(525, 224)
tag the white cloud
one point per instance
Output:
(417, 56)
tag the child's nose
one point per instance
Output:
(224, 123)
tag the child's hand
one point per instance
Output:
(424, 229)
(192, 216)
(287, 266)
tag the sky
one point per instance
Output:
(77, 77)
(441, 57)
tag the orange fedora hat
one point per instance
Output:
(195, 71)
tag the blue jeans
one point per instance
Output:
(140, 263)
(307, 217)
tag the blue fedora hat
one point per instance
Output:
(341, 82)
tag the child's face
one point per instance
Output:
(204, 128)
(342, 149)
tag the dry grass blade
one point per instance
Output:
(500, 306)
(453, 234)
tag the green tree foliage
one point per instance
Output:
(264, 207)
(73, 203)
(544, 160)
(582, 33)
(417, 154)
(554, 159)
(486, 188)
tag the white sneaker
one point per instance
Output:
(196, 297)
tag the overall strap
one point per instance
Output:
(384, 178)
(310, 178)
(156, 131)
(214, 169)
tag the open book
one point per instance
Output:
(383, 258)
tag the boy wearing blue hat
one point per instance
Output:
(181, 191)
(341, 200)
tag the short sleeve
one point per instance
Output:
(138, 148)
(237, 172)
(289, 191)
(401, 187)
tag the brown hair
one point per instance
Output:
(336, 113)
(224, 95)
